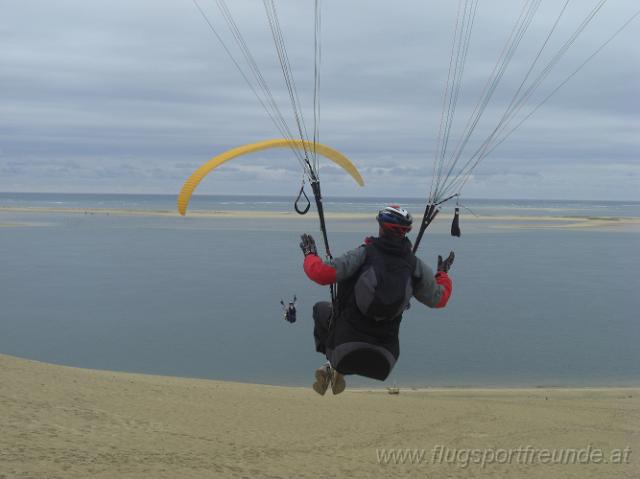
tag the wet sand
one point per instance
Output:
(61, 422)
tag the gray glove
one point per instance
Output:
(308, 245)
(445, 265)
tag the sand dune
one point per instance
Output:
(60, 422)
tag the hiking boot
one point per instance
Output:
(337, 382)
(323, 378)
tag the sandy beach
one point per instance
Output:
(61, 422)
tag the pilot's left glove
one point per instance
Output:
(308, 245)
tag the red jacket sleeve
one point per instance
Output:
(318, 271)
(443, 280)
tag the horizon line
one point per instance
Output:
(413, 198)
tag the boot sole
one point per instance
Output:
(338, 384)
(322, 382)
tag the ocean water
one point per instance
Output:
(199, 297)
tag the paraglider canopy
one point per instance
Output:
(197, 176)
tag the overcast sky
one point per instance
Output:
(132, 96)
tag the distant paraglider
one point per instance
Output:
(289, 310)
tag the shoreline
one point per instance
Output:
(572, 220)
(365, 389)
(362, 389)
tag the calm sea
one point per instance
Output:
(200, 296)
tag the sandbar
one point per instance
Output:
(497, 221)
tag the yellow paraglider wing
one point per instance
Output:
(197, 176)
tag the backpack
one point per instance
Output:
(384, 286)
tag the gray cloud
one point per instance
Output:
(132, 96)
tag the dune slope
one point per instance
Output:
(61, 422)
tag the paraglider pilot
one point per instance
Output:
(359, 333)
